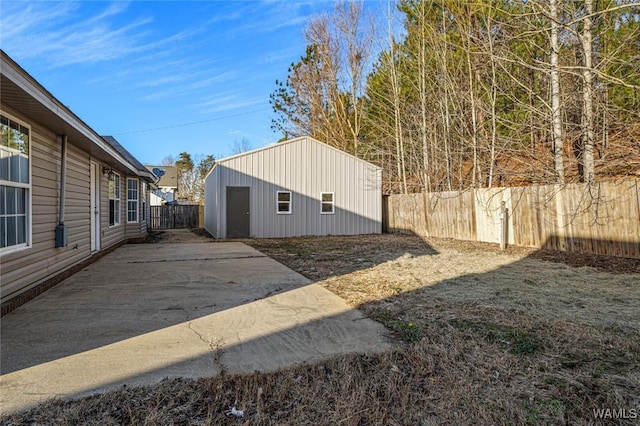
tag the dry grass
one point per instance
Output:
(491, 338)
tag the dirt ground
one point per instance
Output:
(488, 337)
(170, 236)
(598, 291)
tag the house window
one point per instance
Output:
(327, 203)
(15, 184)
(114, 199)
(132, 200)
(284, 202)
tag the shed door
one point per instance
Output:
(238, 212)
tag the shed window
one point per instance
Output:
(114, 199)
(284, 202)
(132, 200)
(15, 184)
(327, 203)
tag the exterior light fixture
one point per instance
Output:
(106, 170)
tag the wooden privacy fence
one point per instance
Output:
(175, 217)
(600, 218)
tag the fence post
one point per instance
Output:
(504, 225)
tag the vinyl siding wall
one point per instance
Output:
(306, 168)
(26, 268)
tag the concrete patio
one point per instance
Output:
(150, 311)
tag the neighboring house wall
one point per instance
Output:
(155, 200)
(307, 168)
(162, 196)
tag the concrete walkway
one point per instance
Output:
(146, 312)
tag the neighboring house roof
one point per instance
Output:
(21, 90)
(170, 177)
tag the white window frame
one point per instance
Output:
(278, 202)
(115, 199)
(332, 203)
(20, 185)
(135, 200)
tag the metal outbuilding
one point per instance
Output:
(293, 188)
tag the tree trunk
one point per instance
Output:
(556, 118)
(422, 87)
(446, 119)
(587, 133)
(494, 96)
(474, 112)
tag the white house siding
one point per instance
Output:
(307, 168)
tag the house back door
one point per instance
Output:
(238, 218)
(95, 207)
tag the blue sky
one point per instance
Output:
(162, 76)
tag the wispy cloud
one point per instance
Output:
(193, 84)
(19, 18)
(162, 60)
(66, 36)
(270, 16)
(227, 102)
(276, 56)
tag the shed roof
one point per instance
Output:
(290, 141)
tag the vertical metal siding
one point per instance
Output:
(306, 168)
(211, 202)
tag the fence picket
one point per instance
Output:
(601, 218)
(174, 217)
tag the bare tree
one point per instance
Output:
(587, 136)
(241, 146)
(355, 29)
(556, 113)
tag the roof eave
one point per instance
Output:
(31, 88)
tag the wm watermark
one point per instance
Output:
(615, 413)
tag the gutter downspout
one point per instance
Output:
(62, 234)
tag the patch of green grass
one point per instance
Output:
(408, 331)
(552, 381)
(383, 316)
(519, 342)
(545, 411)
